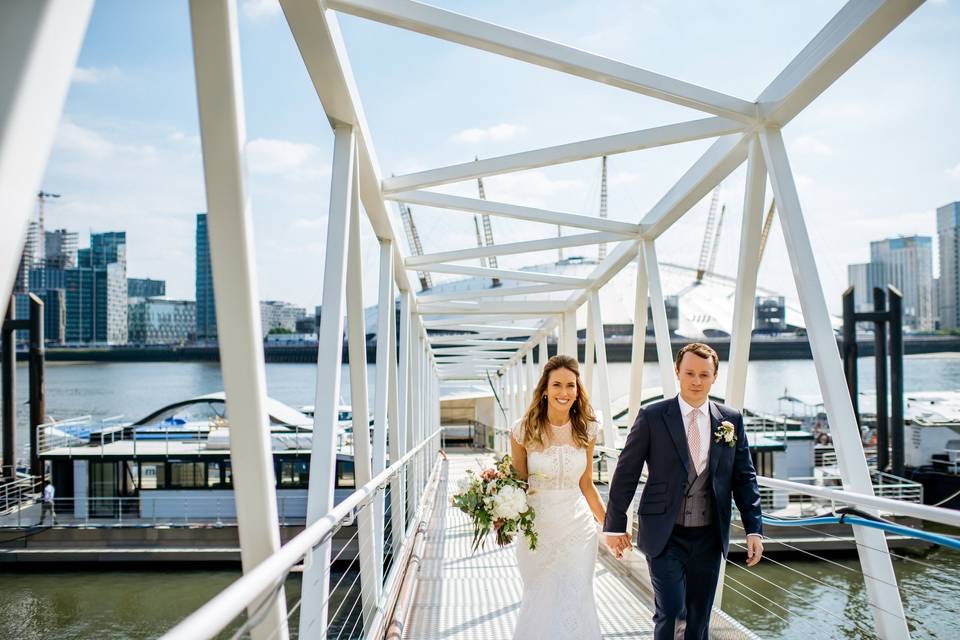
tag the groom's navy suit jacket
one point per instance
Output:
(658, 438)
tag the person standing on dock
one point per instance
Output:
(698, 459)
(47, 506)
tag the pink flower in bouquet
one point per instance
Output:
(488, 474)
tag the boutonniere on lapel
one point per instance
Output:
(725, 434)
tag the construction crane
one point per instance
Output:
(487, 231)
(476, 225)
(602, 247)
(42, 197)
(708, 235)
(767, 223)
(413, 239)
(716, 240)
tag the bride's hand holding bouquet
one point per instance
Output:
(497, 498)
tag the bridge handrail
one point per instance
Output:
(219, 611)
(941, 515)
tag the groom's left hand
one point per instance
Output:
(754, 550)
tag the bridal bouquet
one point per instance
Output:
(496, 497)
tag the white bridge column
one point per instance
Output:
(568, 334)
(316, 574)
(398, 436)
(743, 305)
(223, 136)
(589, 346)
(39, 44)
(602, 382)
(404, 375)
(747, 270)
(371, 567)
(661, 328)
(875, 560)
(386, 316)
(639, 339)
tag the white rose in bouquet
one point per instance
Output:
(509, 503)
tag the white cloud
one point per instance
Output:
(811, 145)
(496, 132)
(73, 137)
(260, 9)
(624, 177)
(295, 160)
(954, 172)
(93, 75)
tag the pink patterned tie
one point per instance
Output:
(693, 440)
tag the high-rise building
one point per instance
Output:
(61, 249)
(54, 314)
(909, 266)
(948, 236)
(146, 288)
(770, 314)
(96, 291)
(275, 314)
(864, 278)
(31, 258)
(206, 307)
(161, 321)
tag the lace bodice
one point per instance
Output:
(560, 462)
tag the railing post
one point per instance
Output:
(880, 579)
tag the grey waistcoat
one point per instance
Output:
(696, 506)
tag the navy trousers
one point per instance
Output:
(684, 578)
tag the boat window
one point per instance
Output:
(227, 475)
(294, 473)
(345, 477)
(213, 474)
(152, 475)
(186, 475)
(204, 411)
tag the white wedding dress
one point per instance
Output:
(558, 601)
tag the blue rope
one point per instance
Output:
(936, 538)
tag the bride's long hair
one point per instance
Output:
(535, 423)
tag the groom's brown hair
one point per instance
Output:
(700, 349)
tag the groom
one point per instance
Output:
(698, 458)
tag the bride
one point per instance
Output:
(552, 447)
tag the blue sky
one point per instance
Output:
(873, 156)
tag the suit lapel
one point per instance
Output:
(678, 434)
(716, 449)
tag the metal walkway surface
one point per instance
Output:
(476, 596)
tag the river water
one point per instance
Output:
(791, 601)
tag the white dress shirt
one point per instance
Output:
(706, 437)
(703, 426)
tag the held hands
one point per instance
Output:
(618, 544)
(754, 550)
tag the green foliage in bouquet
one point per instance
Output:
(496, 498)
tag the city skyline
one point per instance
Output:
(127, 152)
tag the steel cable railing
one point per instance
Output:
(270, 574)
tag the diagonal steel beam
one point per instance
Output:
(513, 211)
(561, 154)
(478, 34)
(510, 248)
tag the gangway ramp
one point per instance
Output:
(476, 596)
